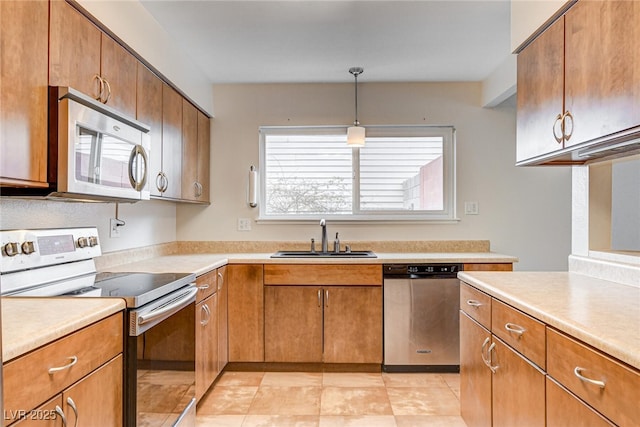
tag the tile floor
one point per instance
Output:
(319, 399)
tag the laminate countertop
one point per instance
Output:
(603, 314)
(29, 323)
(202, 263)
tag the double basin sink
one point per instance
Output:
(309, 254)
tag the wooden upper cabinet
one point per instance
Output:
(74, 50)
(189, 151)
(149, 112)
(540, 93)
(204, 157)
(80, 53)
(23, 93)
(119, 69)
(602, 85)
(172, 141)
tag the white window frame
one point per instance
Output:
(446, 215)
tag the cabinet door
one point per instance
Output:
(206, 344)
(119, 69)
(564, 409)
(540, 93)
(172, 141)
(96, 400)
(23, 92)
(204, 153)
(223, 318)
(518, 389)
(475, 376)
(149, 112)
(74, 50)
(602, 68)
(246, 313)
(293, 324)
(189, 151)
(353, 324)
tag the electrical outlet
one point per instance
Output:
(471, 208)
(244, 224)
(114, 228)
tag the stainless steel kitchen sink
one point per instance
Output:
(309, 254)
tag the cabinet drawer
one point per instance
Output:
(615, 397)
(29, 378)
(476, 304)
(564, 409)
(522, 332)
(326, 274)
(207, 285)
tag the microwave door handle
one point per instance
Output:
(137, 153)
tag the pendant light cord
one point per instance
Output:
(356, 71)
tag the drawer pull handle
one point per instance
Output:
(516, 329)
(484, 344)
(73, 359)
(62, 416)
(473, 303)
(203, 287)
(75, 410)
(492, 367)
(578, 373)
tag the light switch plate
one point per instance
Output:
(471, 208)
(114, 229)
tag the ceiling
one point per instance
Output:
(300, 41)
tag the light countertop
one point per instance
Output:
(202, 263)
(598, 312)
(29, 323)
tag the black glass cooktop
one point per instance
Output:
(136, 289)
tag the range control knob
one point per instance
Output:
(28, 248)
(83, 242)
(11, 249)
(93, 241)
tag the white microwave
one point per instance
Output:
(101, 154)
(95, 152)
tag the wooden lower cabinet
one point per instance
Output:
(207, 365)
(518, 389)
(293, 323)
(245, 312)
(332, 324)
(353, 324)
(564, 409)
(223, 318)
(475, 377)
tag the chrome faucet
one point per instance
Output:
(325, 244)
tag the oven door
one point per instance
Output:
(160, 362)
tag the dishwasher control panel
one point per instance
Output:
(421, 270)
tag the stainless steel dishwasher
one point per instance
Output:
(421, 318)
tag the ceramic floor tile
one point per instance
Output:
(286, 401)
(292, 379)
(227, 401)
(235, 379)
(280, 421)
(357, 421)
(219, 420)
(423, 401)
(429, 421)
(413, 380)
(331, 379)
(355, 401)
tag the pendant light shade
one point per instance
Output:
(355, 133)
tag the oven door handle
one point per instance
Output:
(172, 307)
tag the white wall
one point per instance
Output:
(147, 222)
(523, 211)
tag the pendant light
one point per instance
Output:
(355, 133)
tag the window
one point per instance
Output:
(403, 172)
